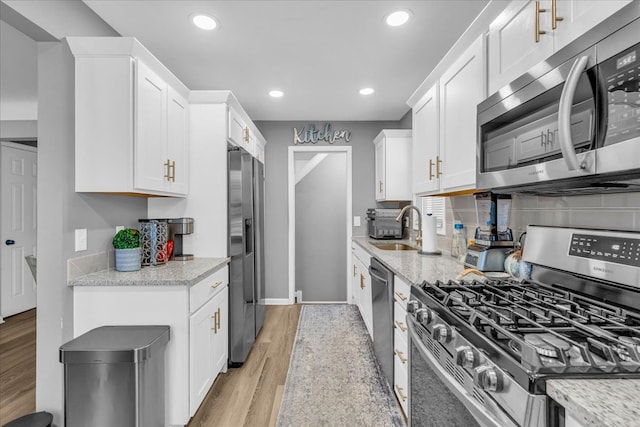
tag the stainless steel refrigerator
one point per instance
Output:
(246, 250)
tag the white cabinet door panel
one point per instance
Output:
(201, 354)
(177, 142)
(150, 147)
(426, 141)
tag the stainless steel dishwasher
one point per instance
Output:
(382, 296)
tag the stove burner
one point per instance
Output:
(547, 344)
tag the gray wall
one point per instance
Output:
(61, 211)
(320, 273)
(406, 122)
(280, 136)
(615, 211)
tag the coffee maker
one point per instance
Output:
(178, 227)
(493, 238)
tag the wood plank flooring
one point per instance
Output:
(245, 396)
(251, 395)
(17, 366)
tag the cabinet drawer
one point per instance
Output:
(401, 383)
(400, 347)
(401, 291)
(361, 254)
(399, 319)
(202, 291)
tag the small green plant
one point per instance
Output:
(127, 238)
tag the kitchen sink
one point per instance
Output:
(394, 247)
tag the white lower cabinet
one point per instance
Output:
(208, 344)
(197, 316)
(361, 285)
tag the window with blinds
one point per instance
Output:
(436, 207)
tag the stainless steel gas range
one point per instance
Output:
(481, 352)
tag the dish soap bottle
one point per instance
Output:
(458, 241)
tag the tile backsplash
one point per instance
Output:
(615, 211)
(88, 264)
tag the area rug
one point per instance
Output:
(333, 378)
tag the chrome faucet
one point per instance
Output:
(399, 218)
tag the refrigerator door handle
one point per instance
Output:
(248, 235)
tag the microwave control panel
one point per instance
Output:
(622, 76)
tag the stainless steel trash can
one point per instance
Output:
(114, 376)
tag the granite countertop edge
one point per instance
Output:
(412, 266)
(603, 402)
(174, 273)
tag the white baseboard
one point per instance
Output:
(277, 301)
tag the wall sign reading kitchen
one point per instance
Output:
(310, 135)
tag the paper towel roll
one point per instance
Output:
(429, 239)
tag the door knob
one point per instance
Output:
(9, 242)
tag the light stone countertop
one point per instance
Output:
(173, 273)
(601, 403)
(412, 266)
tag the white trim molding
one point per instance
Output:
(292, 210)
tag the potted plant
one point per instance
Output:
(127, 245)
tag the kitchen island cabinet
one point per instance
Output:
(190, 297)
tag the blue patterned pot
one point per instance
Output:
(128, 259)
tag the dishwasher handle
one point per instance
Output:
(379, 273)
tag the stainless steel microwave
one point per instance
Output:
(570, 125)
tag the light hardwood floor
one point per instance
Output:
(245, 396)
(251, 395)
(17, 366)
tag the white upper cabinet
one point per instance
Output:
(426, 143)
(131, 120)
(239, 132)
(392, 155)
(529, 31)
(444, 126)
(462, 88)
(578, 16)
(513, 48)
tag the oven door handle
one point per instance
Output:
(564, 114)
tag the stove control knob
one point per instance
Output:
(413, 306)
(467, 357)
(488, 378)
(424, 316)
(441, 333)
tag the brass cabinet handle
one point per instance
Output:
(402, 359)
(246, 135)
(215, 323)
(401, 296)
(400, 393)
(380, 187)
(431, 176)
(354, 269)
(167, 174)
(554, 15)
(401, 326)
(438, 163)
(539, 10)
(173, 171)
(361, 281)
(218, 319)
(215, 285)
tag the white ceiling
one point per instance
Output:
(320, 53)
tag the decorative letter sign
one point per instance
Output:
(313, 135)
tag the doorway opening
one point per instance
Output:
(320, 189)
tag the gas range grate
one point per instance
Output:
(547, 330)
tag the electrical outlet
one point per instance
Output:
(356, 221)
(81, 239)
(119, 227)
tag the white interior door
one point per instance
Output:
(18, 227)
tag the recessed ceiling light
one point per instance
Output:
(366, 91)
(204, 22)
(397, 18)
(276, 93)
